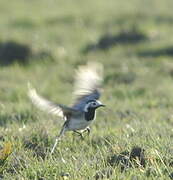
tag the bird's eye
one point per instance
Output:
(94, 103)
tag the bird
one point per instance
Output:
(81, 113)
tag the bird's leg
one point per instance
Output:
(63, 130)
(79, 133)
(88, 130)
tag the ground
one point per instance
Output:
(42, 42)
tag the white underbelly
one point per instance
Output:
(78, 124)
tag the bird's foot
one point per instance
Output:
(80, 134)
(88, 130)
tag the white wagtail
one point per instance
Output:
(87, 91)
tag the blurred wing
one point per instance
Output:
(50, 107)
(88, 83)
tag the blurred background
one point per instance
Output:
(43, 41)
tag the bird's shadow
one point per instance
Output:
(126, 159)
(134, 158)
(166, 51)
(14, 52)
(109, 40)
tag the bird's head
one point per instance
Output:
(93, 104)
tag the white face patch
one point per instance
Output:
(86, 107)
(93, 104)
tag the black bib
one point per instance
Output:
(90, 114)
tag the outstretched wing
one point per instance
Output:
(88, 83)
(50, 107)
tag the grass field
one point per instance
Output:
(134, 42)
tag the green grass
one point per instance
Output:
(138, 88)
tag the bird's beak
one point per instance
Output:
(101, 105)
